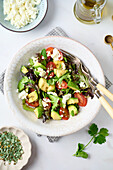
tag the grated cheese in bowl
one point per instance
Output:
(20, 12)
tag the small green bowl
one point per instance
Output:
(41, 15)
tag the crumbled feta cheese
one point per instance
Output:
(82, 84)
(55, 55)
(20, 12)
(23, 95)
(44, 104)
(65, 98)
(42, 57)
(48, 53)
(63, 66)
(69, 70)
(17, 90)
(46, 100)
(53, 93)
(42, 73)
(77, 91)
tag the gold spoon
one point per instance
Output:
(109, 40)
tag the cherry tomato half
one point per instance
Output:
(49, 51)
(82, 99)
(33, 104)
(64, 113)
(63, 85)
(50, 66)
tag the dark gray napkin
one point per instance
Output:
(55, 32)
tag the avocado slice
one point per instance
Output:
(37, 65)
(24, 69)
(38, 112)
(33, 96)
(55, 115)
(59, 64)
(72, 101)
(21, 83)
(73, 110)
(73, 86)
(51, 88)
(59, 72)
(25, 107)
(43, 84)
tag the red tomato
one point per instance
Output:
(31, 90)
(50, 49)
(64, 113)
(49, 104)
(50, 66)
(63, 85)
(82, 99)
(33, 104)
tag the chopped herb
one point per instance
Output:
(97, 137)
(43, 62)
(65, 59)
(43, 53)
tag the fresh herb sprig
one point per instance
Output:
(98, 136)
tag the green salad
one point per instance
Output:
(52, 87)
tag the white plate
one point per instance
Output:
(12, 76)
(26, 147)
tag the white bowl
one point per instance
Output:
(26, 147)
(12, 76)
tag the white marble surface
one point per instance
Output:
(58, 156)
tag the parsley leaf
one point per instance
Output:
(80, 152)
(93, 129)
(43, 53)
(104, 132)
(97, 137)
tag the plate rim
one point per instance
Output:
(14, 112)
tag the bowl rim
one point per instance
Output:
(16, 128)
(13, 111)
(30, 28)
